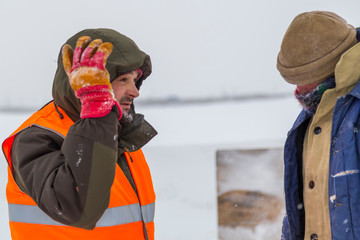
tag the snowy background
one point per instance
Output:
(214, 86)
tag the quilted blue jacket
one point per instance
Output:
(344, 174)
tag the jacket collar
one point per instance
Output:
(356, 91)
(303, 116)
(347, 74)
(136, 135)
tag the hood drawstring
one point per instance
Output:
(126, 150)
(57, 110)
(128, 154)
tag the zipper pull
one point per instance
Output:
(126, 150)
(129, 154)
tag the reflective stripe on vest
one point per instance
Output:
(111, 217)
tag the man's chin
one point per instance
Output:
(127, 118)
(125, 111)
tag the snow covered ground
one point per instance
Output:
(182, 158)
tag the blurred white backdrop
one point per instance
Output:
(200, 49)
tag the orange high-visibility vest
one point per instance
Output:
(128, 216)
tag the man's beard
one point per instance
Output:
(127, 118)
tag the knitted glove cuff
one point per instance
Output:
(96, 101)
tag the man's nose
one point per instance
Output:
(133, 91)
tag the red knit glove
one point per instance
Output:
(88, 77)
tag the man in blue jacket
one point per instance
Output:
(320, 55)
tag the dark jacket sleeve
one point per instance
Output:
(69, 179)
(285, 230)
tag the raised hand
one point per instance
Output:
(88, 76)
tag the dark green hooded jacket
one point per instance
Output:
(44, 163)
